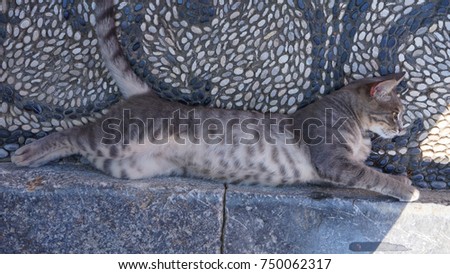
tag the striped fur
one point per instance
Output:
(112, 53)
(291, 155)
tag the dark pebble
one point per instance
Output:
(316, 40)
(164, 86)
(41, 134)
(414, 151)
(4, 133)
(194, 81)
(69, 111)
(438, 185)
(382, 55)
(139, 18)
(145, 73)
(402, 141)
(127, 10)
(152, 80)
(301, 4)
(32, 106)
(427, 7)
(59, 109)
(374, 156)
(389, 168)
(418, 177)
(138, 7)
(400, 169)
(415, 25)
(100, 105)
(376, 146)
(11, 147)
(208, 86)
(383, 162)
(81, 21)
(389, 146)
(3, 18)
(167, 95)
(16, 133)
(395, 158)
(3, 153)
(12, 140)
(58, 116)
(413, 164)
(364, 7)
(66, 14)
(198, 85)
(176, 91)
(422, 184)
(425, 163)
(28, 134)
(391, 42)
(124, 25)
(445, 171)
(430, 177)
(142, 63)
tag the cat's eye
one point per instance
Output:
(395, 114)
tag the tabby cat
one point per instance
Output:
(147, 136)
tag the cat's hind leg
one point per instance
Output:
(42, 151)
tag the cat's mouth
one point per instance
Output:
(388, 133)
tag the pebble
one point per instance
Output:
(3, 153)
(438, 184)
(11, 147)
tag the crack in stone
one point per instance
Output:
(224, 219)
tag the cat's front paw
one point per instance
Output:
(402, 179)
(410, 194)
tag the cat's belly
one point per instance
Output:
(262, 162)
(265, 164)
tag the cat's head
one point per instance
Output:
(383, 108)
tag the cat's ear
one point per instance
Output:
(382, 91)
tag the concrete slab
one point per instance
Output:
(73, 208)
(320, 220)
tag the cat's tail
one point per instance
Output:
(116, 62)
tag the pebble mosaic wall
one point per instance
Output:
(270, 56)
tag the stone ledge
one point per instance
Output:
(318, 220)
(75, 209)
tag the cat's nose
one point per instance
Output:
(401, 130)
